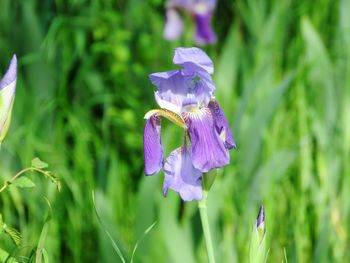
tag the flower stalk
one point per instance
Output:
(202, 205)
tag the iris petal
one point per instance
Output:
(164, 104)
(204, 89)
(193, 60)
(221, 124)
(7, 95)
(153, 152)
(177, 87)
(172, 86)
(10, 75)
(181, 176)
(208, 150)
(173, 25)
(204, 31)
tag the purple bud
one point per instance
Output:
(260, 220)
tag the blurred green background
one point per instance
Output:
(282, 72)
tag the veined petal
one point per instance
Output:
(173, 25)
(204, 89)
(181, 176)
(172, 86)
(177, 87)
(221, 124)
(204, 31)
(7, 95)
(208, 150)
(193, 59)
(153, 151)
(166, 104)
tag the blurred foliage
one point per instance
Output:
(282, 73)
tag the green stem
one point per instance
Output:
(205, 224)
(7, 183)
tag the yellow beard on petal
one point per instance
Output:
(170, 115)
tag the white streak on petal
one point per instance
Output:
(166, 104)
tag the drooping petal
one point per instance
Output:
(181, 176)
(7, 95)
(221, 124)
(193, 59)
(207, 149)
(153, 151)
(173, 25)
(204, 31)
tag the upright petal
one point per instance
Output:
(7, 95)
(221, 124)
(153, 151)
(176, 87)
(193, 59)
(208, 150)
(204, 31)
(172, 86)
(181, 176)
(204, 89)
(173, 25)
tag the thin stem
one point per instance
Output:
(205, 225)
(7, 183)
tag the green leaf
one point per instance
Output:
(37, 163)
(257, 252)
(41, 254)
(114, 244)
(209, 178)
(1, 224)
(3, 255)
(14, 234)
(142, 237)
(23, 182)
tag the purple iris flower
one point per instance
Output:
(201, 10)
(7, 96)
(185, 96)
